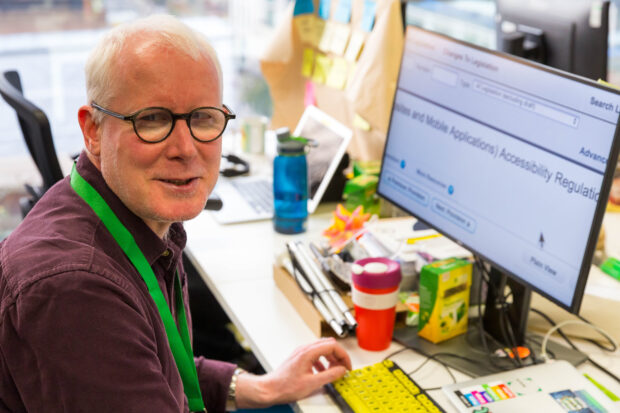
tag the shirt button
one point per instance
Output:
(166, 253)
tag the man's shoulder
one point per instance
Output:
(60, 236)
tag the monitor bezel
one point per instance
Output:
(599, 211)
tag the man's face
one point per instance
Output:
(168, 181)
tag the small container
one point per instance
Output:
(290, 184)
(374, 291)
(253, 131)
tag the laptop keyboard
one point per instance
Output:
(259, 194)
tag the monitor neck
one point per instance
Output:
(505, 318)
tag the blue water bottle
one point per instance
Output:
(290, 184)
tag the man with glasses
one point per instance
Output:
(93, 296)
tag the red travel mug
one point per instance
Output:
(375, 294)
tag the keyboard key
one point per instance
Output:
(259, 194)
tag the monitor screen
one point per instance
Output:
(511, 159)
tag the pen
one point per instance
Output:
(422, 238)
(312, 295)
(312, 272)
(328, 285)
(322, 283)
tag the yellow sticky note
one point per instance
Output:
(305, 27)
(307, 62)
(326, 37)
(340, 38)
(360, 123)
(356, 43)
(319, 28)
(338, 73)
(321, 68)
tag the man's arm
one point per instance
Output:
(214, 377)
(300, 375)
(79, 341)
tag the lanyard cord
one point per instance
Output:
(177, 338)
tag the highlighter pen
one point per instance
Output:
(311, 293)
(602, 388)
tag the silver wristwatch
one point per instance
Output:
(231, 400)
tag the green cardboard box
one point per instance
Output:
(444, 299)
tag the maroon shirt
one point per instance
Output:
(78, 328)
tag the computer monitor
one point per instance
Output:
(509, 158)
(569, 35)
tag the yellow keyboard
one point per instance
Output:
(382, 387)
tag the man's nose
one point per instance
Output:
(181, 141)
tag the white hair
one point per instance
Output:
(100, 73)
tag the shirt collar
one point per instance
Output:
(151, 245)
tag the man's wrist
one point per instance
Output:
(231, 400)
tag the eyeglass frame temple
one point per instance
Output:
(228, 113)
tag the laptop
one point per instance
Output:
(552, 387)
(250, 198)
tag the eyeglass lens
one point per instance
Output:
(154, 124)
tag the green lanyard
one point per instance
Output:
(179, 340)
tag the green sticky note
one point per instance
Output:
(611, 267)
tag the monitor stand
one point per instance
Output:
(470, 346)
(497, 311)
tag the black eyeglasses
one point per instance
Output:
(155, 124)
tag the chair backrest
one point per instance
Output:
(36, 130)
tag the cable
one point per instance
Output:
(543, 354)
(553, 323)
(434, 358)
(490, 355)
(614, 346)
(508, 334)
(570, 343)
(389, 356)
(611, 349)
(609, 373)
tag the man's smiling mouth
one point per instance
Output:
(178, 182)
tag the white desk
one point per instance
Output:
(236, 263)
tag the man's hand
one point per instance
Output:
(300, 375)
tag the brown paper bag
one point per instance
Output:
(369, 92)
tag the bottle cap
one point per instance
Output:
(376, 273)
(292, 144)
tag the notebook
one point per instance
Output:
(552, 387)
(250, 198)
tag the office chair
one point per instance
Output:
(37, 135)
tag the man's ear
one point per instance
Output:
(90, 130)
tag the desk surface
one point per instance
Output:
(236, 262)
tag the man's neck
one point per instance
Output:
(159, 228)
